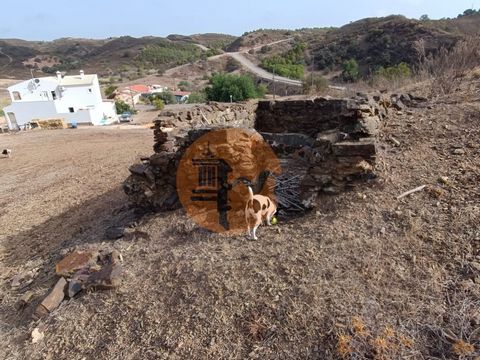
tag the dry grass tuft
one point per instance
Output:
(462, 348)
(343, 346)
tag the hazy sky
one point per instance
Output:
(47, 20)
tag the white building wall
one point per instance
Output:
(31, 91)
(78, 97)
(27, 111)
(37, 103)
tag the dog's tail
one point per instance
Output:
(250, 193)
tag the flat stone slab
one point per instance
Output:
(355, 148)
(75, 261)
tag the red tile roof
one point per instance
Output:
(140, 88)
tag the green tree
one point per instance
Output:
(122, 107)
(110, 91)
(424, 17)
(350, 71)
(469, 12)
(239, 87)
(167, 97)
(289, 64)
(399, 71)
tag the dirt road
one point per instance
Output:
(250, 66)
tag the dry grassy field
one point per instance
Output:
(364, 276)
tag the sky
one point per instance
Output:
(40, 20)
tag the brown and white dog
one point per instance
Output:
(258, 208)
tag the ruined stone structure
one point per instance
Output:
(333, 141)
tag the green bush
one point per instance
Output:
(64, 65)
(289, 64)
(167, 97)
(110, 90)
(171, 54)
(122, 107)
(262, 89)
(240, 87)
(158, 103)
(196, 98)
(350, 71)
(399, 71)
(317, 84)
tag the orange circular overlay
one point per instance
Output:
(214, 172)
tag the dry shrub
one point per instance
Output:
(447, 67)
(361, 342)
(462, 348)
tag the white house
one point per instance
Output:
(76, 99)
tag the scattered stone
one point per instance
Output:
(74, 287)
(110, 257)
(458, 152)
(444, 180)
(53, 300)
(37, 335)
(75, 261)
(17, 280)
(108, 277)
(114, 232)
(22, 280)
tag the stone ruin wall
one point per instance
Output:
(333, 139)
(152, 183)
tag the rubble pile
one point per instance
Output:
(81, 270)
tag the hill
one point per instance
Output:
(125, 56)
(372, 42)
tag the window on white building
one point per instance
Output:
(71, 109)
(16, 95)
(54, 95)
(89, 90)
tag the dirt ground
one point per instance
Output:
(364, 276)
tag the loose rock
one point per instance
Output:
(114, 232)
(53, 300)
(75, 261)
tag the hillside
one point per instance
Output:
(365, 276)
(372, 42)
(123, 56)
